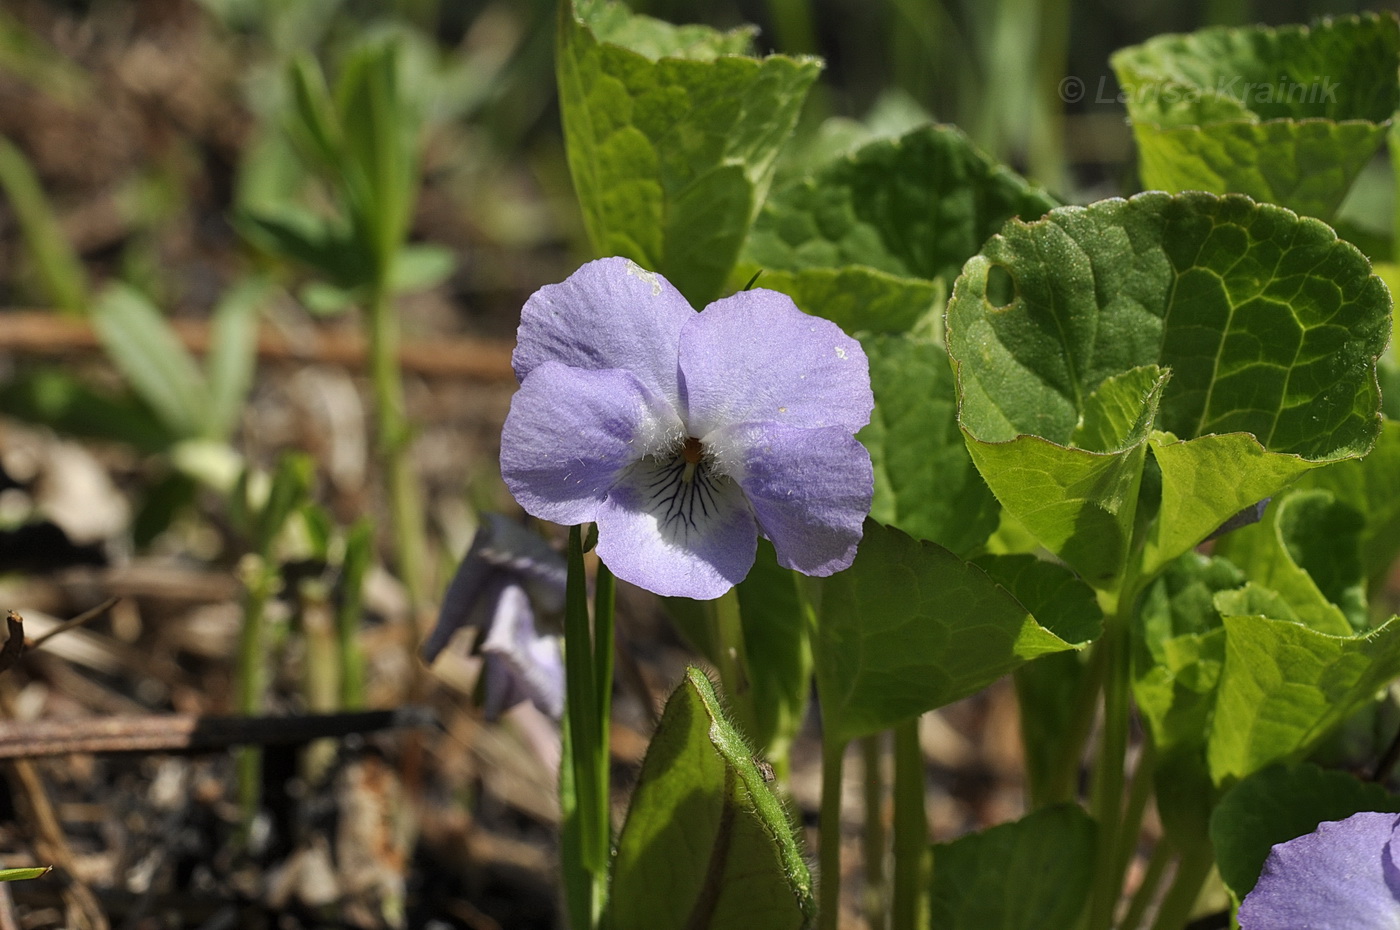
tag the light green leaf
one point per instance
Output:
(1284, 686)
(1268, 326)
(706, 844)
(1304, 532)
(860, 299)
(233, 346)
(671, 144)
(1278, 804)
(925, 483)
(150, 357)
(19, 875)
(419, 267)
(59, 268)
(1027, 875)
(1178, 652)
(1287, 115)
(910, 627)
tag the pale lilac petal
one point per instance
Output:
(1331, 879)
(533, 661)
(608, 314)
(755, 357)
(570, 433)
(677, 539)
(512, 548)
(810, 490)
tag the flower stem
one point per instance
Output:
(829, 826)
(1107, 801)
(732, 661)
(872, 764)
(1192, 869)
(405, 497)
(910, 828)
(584, 792)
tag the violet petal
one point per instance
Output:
(570, 433)
(677, 538)
(526, 555)
(1330, 879)
(755, 357)
(608, 314)
(533, 660)
(810, 490)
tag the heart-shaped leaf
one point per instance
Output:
(706, 844)
(672, 137)
(910, 627)
(1236, 339)
(1287, 115)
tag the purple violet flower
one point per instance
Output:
(506, 574)
(683, 435)
(1345, 875)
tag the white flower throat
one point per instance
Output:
(685, 487)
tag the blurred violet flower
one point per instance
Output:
(1345, 875)
(506, 575)
(684, 435)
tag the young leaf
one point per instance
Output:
(925, 483)
(232, 360)
(152, 360)
(672, 137)
(1278, 804)
(1268, 326)
(1287, 115)
(706, 844)
(1284, 686)
(58, 265)
(23, 874)
(910, 627)
(1027, 875)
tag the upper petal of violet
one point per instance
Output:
(810, 489)
(571, 433)
(755, 357)
(1331, 879)
(608, 314)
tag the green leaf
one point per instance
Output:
(918, 206)
(1268, 326)
(419, 267)
(58, 400)
(860, 299)
(778, 650)
(1178, 652)
(1307, 551)
(1278, 804)
(291, 486)
(706, 844)
(1284, 686)
(232, 361)
(58, 265)
(1287, 115)
(672, 144)
(19, 875)
(910, 627)
(150, 357)
(1371, 487)
(925, 482)
(297, 235)
(1027, 875)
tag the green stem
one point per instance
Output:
(585, 852)
(731, 659)
(250, 680)
(1139, 793)
(1107, 799)
(1147, 890)
(1192, 870)
(405, 497)
(604, 604)
(829, 826)
(874, 899)
(910, 828)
